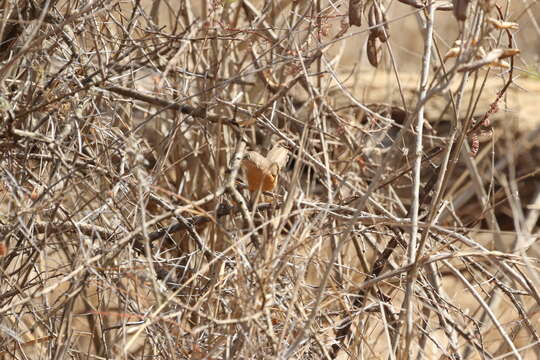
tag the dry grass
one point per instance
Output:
(128, 229)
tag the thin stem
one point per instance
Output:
(411, 253)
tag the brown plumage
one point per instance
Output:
(262, 172)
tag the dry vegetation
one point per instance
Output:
(130, 129)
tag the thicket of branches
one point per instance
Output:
(403, 228)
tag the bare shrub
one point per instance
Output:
(395, 216)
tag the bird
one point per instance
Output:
(263, 172)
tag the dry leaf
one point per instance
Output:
(278, 155)
(356, 10)
(373, 49)
(460, 9)
(262, 172)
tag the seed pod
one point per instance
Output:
(443, 5)
(500, 64)
(509, 52)
(460, 9)
(475, 145)
(452, 53)
(377, 21)
(386, 33)
(356, 10)
(371, 19)
(491, 58)
(504, 25)
(413, 3)
(373, 49)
